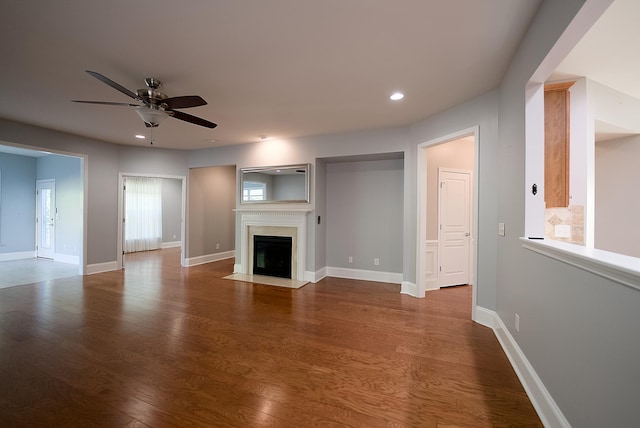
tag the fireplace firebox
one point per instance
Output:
(272, 255)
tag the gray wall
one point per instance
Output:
(102, 178)
(66, 171)
(308, 150)
(171, 209)
(364, 214)
(578, 330)
(212, 198)
(617, 205)
(18, 204)
(481, 112)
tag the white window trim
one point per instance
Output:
(616, 267)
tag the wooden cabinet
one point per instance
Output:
(556, 144)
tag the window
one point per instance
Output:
(254, 191)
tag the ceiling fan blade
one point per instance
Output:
(108, 103)
(184, 101)
(191, 119)
(113, 84)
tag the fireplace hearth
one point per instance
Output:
(272, 255)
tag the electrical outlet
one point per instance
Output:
(562, 231)
(501, 229)
(350, 259)
(376, 261)
(217, 246)
(174, 236)
(517, 323)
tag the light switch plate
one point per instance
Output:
(501, 229)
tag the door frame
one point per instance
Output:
(421, 197)
(120, 218)
(471, 230)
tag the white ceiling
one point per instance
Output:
(282, 68)
(609, 54)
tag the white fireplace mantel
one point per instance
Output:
(273, 217)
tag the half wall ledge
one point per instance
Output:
(622, 269)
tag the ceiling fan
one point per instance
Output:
(155, 105)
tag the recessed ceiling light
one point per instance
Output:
(396, 96)
(142, 137)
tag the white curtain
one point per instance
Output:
(143, 215)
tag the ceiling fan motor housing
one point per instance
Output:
(151, 96)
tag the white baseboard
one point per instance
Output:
(172, 244)
(315, 276)
(484, 316)
(102, 267)
(410, 288)
(431, 284)
(547, 409)
(66, 258)
(365, 275)
(208, 258)
(5, 257)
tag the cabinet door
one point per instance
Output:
(556, 145)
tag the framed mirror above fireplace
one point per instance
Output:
(275, 184)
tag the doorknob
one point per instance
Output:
(466, 234)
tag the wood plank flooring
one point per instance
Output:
(158, 345)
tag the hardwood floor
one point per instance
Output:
(159, 345)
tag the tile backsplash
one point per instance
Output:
(565, 224)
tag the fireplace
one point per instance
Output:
(272, 255)
(289, 223)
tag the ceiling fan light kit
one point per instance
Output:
(151, 116)
(156, 106)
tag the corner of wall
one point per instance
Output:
(547, 409)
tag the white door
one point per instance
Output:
(455, 226)
(45, 218)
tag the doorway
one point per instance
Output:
(45, 218)
(454, 152)
(180, 201)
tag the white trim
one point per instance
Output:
(4, 257)
(48, 253)
(66, 258)
(316, 276)
(365, 275)
(422, 203)
(410, 289)
(431, 271)
(484, 316)
(208, 258)
(102, 267)
(172, 244)
(616, 267)
(294, 218)
(120, 218)
(84, 172)
(547, 409)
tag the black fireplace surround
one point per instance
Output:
(272, 255)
